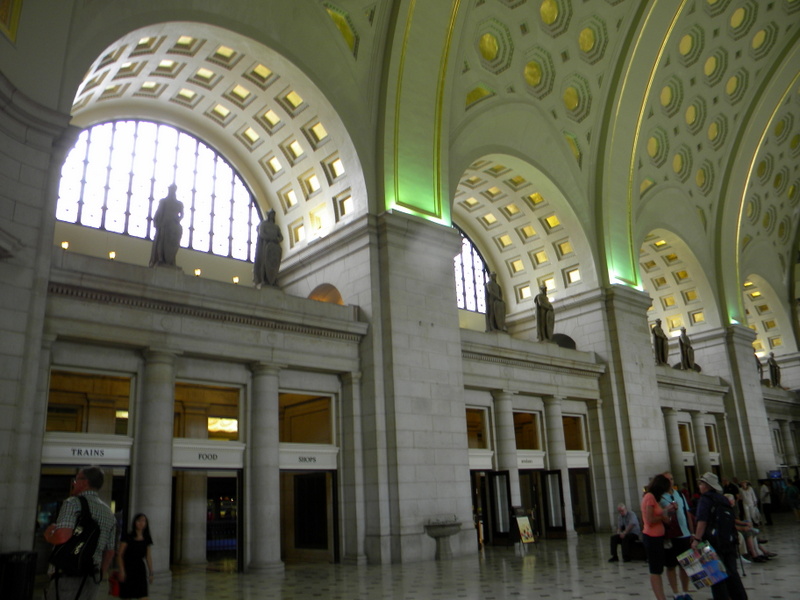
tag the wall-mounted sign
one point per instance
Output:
(308, 457)
(188, 453)
(82, 449)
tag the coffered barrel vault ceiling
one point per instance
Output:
(574, 137)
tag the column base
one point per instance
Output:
(355, 559)
(269, 568)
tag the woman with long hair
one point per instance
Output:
(654, 517)
(134, 551)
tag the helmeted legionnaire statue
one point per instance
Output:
(545, 315)
(267, 261)
(660, 344)
(495, 305)
(760, 367)
(687, 352)
(167, 222)
(774, 371)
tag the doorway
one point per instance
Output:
(206, 523)
(555, 526)
(580, 485)
(309, 530)
(491, 507)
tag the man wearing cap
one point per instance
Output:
(730, 588)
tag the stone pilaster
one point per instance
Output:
(426, 440)
(192, 494)
(33, 142)
(352, 476)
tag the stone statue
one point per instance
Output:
(167, 222)
(660, 344)
(687, 352)
(774, 371)
(759, 366)
(495, 305)
(268, 252)
(545, 315)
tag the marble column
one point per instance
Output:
(788, 443)
(557, 455)
(507, 441)
(727, 467)
(192, 493)
(352, 476)
(264, 450)
(701, 451)
(152, 465)
(674, 442)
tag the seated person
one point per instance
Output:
(748, 538)
(628, 533)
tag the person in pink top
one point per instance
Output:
(654, 517)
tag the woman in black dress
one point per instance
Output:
(134, 551)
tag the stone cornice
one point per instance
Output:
(532, 362)
(692, 381)
(187, 310)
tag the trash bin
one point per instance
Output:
(17, 575)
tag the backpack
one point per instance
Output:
(76, 556)
(721, 528)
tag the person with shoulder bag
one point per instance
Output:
(716, 524)
(83, 537)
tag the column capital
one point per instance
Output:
(552, 399)
(499, 393)
(266, 368)
(160, 355)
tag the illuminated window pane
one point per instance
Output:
(526, 431)
(117, 172)
(471, 275)
(476, 429)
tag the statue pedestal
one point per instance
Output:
(441, 532)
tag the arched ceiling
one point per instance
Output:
(698, 97)
(248, 102)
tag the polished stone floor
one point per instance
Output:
(552, 569)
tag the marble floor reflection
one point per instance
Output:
(555, 569)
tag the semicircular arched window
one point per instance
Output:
(471, 276)
(118, 171)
